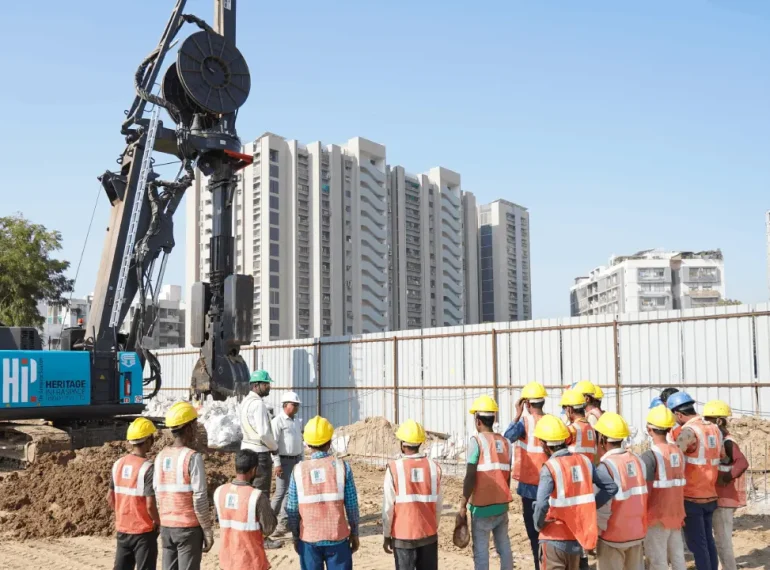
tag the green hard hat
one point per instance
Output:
(260, 376)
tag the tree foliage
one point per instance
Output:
(28, 273)
(722, 302)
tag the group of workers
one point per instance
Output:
(582, 491)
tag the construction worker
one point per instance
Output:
(288, 437)
(565, 509)
(731, 485)
(186, 529)
(256, 428)
(411, 507)
(132, 498)
(666, 393)
(701, 443)
(592, 404)
(245, 518)
(528, 456)
(487, 486)
(622, 521)
(322, 506)
(664, 469)
(581, 438)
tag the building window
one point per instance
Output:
(274, 171)
(274, 202)
(274, 297)
(274, 282)
(273, 155)
(274, 313)
(274, 187)
(274, 218)
(274, 249)
(274, 266)
(274, 234)
(275, 330)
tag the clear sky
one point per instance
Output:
(620, 125)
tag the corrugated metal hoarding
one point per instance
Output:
(433, 375)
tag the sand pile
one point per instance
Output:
(753, 436)
(64, 494)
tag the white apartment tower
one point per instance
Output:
(651, 280)
(504, 262)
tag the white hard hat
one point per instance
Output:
(290, 397)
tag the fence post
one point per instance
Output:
(318, 376)
(616, 352)
(494, 364)
(395, 379)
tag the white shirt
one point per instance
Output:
(389, 500)
(255, 425)
(288, 436)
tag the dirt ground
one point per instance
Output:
(90, 552)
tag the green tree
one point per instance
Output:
(728, 302)
(28, 273)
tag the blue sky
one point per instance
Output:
(620, 125)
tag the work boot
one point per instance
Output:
(271, 544)
(584, 563)
(280, 531)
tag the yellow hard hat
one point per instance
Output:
(551, 430)
(139, 430)
(318, 431)
(717, 409)
(585, 387)
(613, 426)
(411, 432)
(180, 414)
(661, 417)
(484, 404)
(533, 391)
(573, 398)
(598, 392)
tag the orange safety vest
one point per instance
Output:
(174, 489)
(583, 440)
(321, 496)
(243, 545)
(131, 515)
(528, 454)
(493, 471)
(572, 504)
(628, 519)
(416, 482)
(732, 495)
(702, 465)
(665, 504)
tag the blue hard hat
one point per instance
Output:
(656, 402)
(678, 400)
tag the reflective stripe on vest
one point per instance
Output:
(242, 545)
(305, 499)
(402, 497)
(485, 457)
(732, 495)
(661, 480)
(585, 442)
(492, 485)
(628, 514)
(626, 492)
(250, 435)
(528, 454)
(320, 487)
(702, 466)
(704, 442)
(131, 514)
(174, 488)
(561, 499)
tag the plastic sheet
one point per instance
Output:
(221, 419)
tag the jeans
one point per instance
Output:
(699, 534)
(182, 548)
(528, 506)
(337, 557)
(480, 529)
(277, 502)
(264, 473)
(137, 550)
(723, 536)
(420, 558)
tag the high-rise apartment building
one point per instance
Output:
(341, 243)
(504, 262)
(651, 280)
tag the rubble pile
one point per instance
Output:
(219, 418)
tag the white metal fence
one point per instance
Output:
(432, 375)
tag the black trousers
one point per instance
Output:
(138, 551)
(528, 508)
(420, 558)
(264, 476)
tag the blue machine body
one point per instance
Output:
(61, 379)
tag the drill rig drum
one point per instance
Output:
(213, 73)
